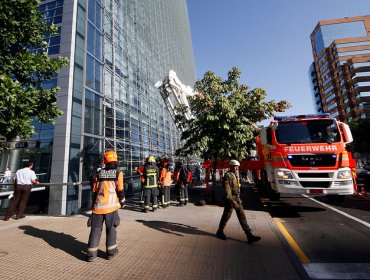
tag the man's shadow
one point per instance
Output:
(174, 228)
(59, 240)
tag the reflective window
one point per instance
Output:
(314, 131)
(362, 74)
(332, 106)
(328, 89)
(326, 34)
(93, 73)
(93, 113)
(331, 97)
(354, 52)
(343, 45)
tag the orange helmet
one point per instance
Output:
(110, 156)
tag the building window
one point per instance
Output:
(332, 106)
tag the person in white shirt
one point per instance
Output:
(24, 178)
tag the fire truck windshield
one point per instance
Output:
(307, 131)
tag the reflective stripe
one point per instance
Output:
(92, 249)
(111, 247)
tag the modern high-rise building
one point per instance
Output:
(117, 51)
(340, 73)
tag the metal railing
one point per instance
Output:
(78, 194)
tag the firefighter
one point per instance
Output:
(233, 201)
(151, 175)
(140, 171)
(107, 197)
(181, 177)
(165, 180)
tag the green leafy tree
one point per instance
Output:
(360, 130)
(225, 113)
(24, 65)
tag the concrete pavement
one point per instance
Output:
(173, 243)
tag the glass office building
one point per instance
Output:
(340, 74)
(118, 51)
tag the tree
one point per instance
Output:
(24, 65)
(225, 116)
(360, 130)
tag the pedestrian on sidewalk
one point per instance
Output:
(232, 201)
(107, 197)
(24, 178)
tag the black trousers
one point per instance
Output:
(167, 195)
(228, 210)
(111, 222)
(20, 199)
(151, 194)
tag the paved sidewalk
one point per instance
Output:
(173, 243)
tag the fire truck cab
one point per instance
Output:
(306, 154)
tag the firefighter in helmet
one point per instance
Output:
(140, 171)
(232, 201)
(107, 197)
(151, 175)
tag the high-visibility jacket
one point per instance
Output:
(166, 177)
(151, 175)
(140, 170)
(108, 191)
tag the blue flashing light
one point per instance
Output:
(290, 156)
(295, 117)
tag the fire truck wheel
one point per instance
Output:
(334, 198)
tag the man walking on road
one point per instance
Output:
(24, 178)
(233, 201)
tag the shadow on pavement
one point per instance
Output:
(58, 240)
(174, 228)
(285, 210)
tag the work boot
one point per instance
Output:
(252, 238)
(111, 255)
(221, 235)
(90, 258)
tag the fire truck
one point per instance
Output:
(306, 154)
(303, 154)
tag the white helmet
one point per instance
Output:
(234, 162)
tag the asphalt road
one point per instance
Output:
(335, 238)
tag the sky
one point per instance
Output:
(268, 40)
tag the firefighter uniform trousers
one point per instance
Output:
(151, 193)
(111, 222)
(167, 195)
(228, 210)
(184, 196)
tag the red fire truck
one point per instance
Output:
(303, 154)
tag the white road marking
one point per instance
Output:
(338, 270)
(340, 212)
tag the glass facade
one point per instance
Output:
(122, 49)
(118, 51)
